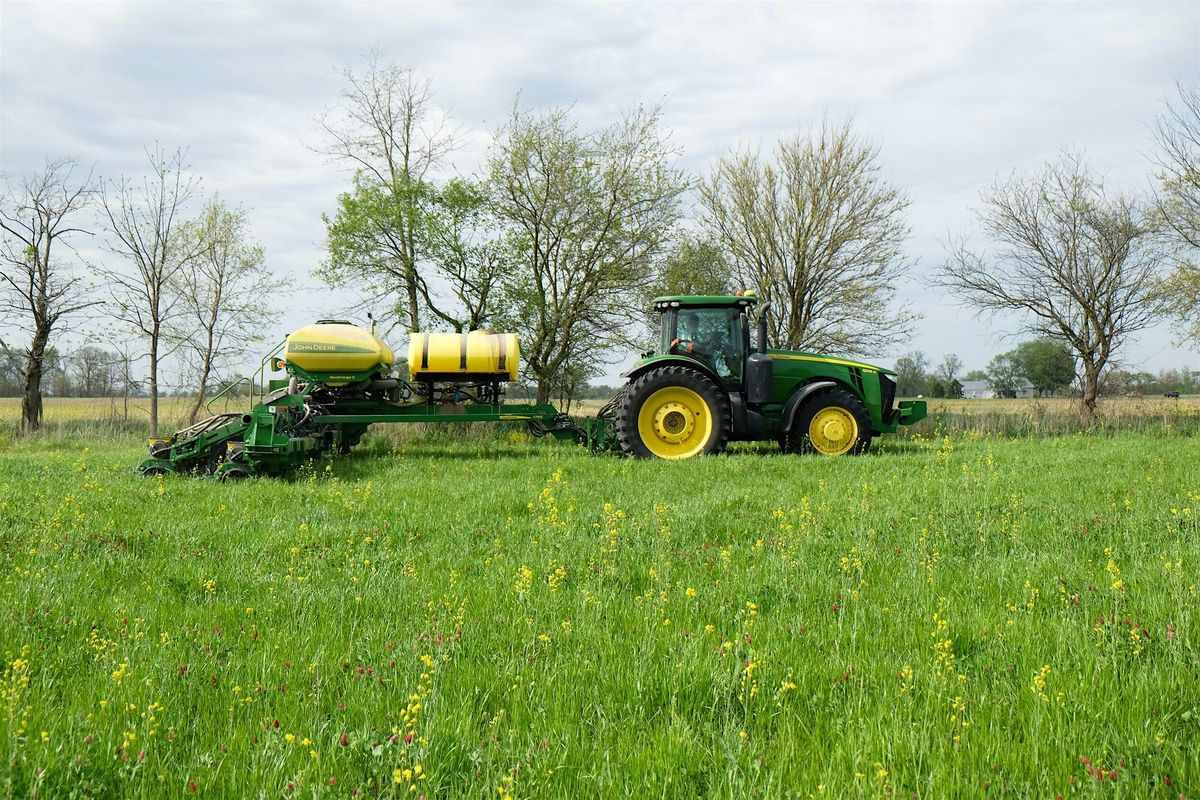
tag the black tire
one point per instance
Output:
(798, 439)
(233, 475)
(349, 438)
(631, 401)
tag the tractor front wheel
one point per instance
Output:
(674, 413)
(832, 422)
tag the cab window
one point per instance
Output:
(713, 335)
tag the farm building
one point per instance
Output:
(982, 390)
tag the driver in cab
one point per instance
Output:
(693, 341)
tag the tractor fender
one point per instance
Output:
(674, 361)
(799, 396)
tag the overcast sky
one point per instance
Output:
(956, 94)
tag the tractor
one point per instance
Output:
(702, 388)
(705, 386)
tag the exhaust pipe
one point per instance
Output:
(762, 327)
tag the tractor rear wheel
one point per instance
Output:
(674, 413)
(833, 422)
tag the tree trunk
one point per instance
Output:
(31, 395)
(411, 277)
(154, 383)
(414, 318)
(201, 391)
(205, 369)
(1091, 390)
(543, 390)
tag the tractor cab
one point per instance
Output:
(711, 329)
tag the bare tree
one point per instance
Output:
(96, 371)
(224, 296)
(819, 232)
(38, 287)
(1177, 134)
(146, 228)
(949, 368)
(912, 373)
(594, 210)
(1079, 264)
(389, 130)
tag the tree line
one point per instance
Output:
(563, 233)
(1041, 367)
(87, 371)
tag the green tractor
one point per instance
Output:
(705, 386)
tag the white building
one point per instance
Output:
(982, 390)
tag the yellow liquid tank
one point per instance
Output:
(463, 357)
(337, 347)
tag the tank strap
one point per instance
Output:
(502, 346)
(462, 352)
(424, 350)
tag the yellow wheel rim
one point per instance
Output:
(674, 423)
(833, 431)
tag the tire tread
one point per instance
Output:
(797, 441)
(630, 403)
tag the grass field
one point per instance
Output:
(441, 617)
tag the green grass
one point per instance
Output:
(942, 618)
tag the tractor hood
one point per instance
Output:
(796, 355)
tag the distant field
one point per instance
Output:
(1060, 416)
(1150, 404)
(64, 408)
(1021, 417)
(61, 409)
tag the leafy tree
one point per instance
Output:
(1004, 374)
(389, 130)
(1047, 364)
(954, 390)
(819, 232)
(911, 374)
(694, 266)
(12, 366)
(1078, 263)
(1181, 380)
(975, 375)
(39, 288)
(593, 210)
(467, 255)
(226, 293)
